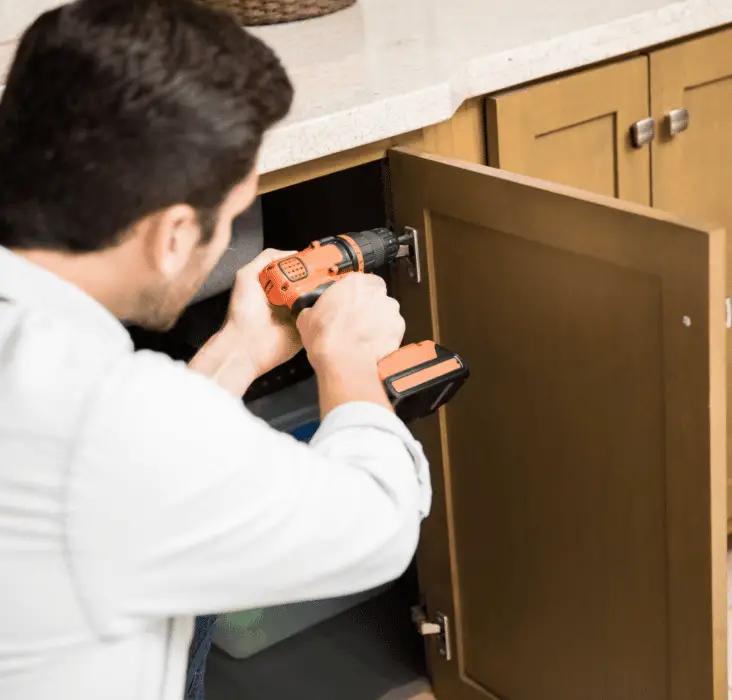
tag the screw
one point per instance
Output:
(686, 321)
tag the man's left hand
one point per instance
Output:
(268, 334)
(255, 338)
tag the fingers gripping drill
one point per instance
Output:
(418, 378)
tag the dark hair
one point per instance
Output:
(116, 109)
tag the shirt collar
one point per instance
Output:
(32, 286)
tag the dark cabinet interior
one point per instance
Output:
(370, 652)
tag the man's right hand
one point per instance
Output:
(353, 321)
(353, 326)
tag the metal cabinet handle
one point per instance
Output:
(643, 132)
(677, 120)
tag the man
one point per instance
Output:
(136, 492)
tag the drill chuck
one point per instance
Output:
(377, 247)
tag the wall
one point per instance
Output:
(16, 15)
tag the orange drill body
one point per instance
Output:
(419, 378)
(297, 277)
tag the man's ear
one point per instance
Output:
(171, 240)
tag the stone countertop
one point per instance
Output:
(387, 67)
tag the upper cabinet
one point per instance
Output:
(589, 130)
(576, 547)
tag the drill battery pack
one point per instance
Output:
(421, 377)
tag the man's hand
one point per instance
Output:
(354, 322)
(255, 338)
(352, 327)
(267, 333)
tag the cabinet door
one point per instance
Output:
(692, 169)
(577, 538)
(576, 130)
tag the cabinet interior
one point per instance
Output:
(371, 651)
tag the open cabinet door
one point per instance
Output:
(577, 539)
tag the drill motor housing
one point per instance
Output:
(298, 280)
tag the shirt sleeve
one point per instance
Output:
(182, 502)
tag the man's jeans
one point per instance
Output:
(202, 638)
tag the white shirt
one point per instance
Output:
(135, 494)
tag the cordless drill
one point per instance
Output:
(418, 378)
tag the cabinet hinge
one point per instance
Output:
(728, 309)
(438, 628)
(409, 252)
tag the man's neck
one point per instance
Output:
(99, 274)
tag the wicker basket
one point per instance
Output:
(254, 12)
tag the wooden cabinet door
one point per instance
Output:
(692, 170)
(576, 130)
(577, 538)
